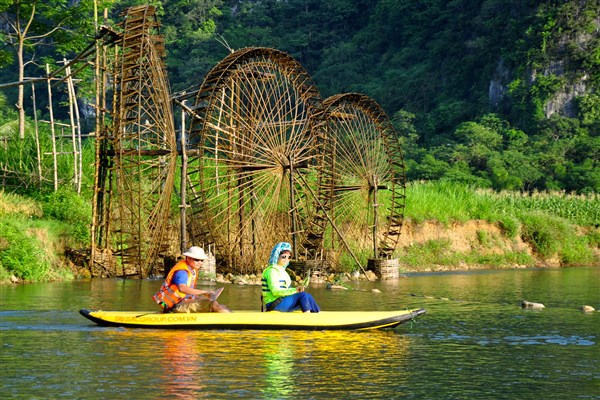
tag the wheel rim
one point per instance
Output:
(364, 177)
(253, 129)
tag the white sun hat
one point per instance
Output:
(196, 253)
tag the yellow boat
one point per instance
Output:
(273, 320)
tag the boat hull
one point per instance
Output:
(325, 320)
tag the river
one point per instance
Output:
(475, 342)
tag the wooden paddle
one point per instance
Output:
(214, 295)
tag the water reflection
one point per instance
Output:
(182, 365)
(279, 364)
(474, 342)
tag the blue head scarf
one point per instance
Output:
(279, 247)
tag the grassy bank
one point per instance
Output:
(556, 228)
(553, 228)
(36, 231)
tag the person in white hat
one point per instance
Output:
(178, 293)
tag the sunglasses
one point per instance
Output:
(196, 259)
(285, 256)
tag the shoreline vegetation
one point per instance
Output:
(448, 227)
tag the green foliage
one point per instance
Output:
(21, 254)
(542, 234)
(445, 201)
(576, 252)
(593, 238)
(510, 225)
(545, 220)
(429, 253)
(18, 207)
(67, 206)
(20, 157)
(589, 109)
(552, 236)
(429, 64)
(583, 210)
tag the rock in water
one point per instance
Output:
(529, 304)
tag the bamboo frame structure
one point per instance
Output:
(137, 153)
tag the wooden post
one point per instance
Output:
(293, 208)
(52, 129)
(375, 216)
(184, 160)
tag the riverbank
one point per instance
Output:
(447, 227)
(430, 246)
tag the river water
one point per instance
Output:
(475, 342)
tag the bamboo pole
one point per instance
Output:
(293, 209)
(52, 128)
(375, 216)
(37, 136)
(97, 127)
(72, 126)
(184, 161)
(79, 156)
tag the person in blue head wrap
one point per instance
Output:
(277, 295)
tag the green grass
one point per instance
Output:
(439, 255)
(551, 223)
(446, 202)
(582, 210)
(34, 232)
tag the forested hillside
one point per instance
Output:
(499, 94)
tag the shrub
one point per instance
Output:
(554, 236)
(428, 253)
(576, 252)
(510, 225)
(67, 206)
(593, 238)
(18, 206)
(543, 232)
(21, 254)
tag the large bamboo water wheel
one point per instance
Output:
(253, 131)
(363, 178)
(138, 153)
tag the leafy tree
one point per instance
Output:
(589, 111)
(30, 24)
(190, 30)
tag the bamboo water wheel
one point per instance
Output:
(137, 154)
(253, 132)
(364, 179)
